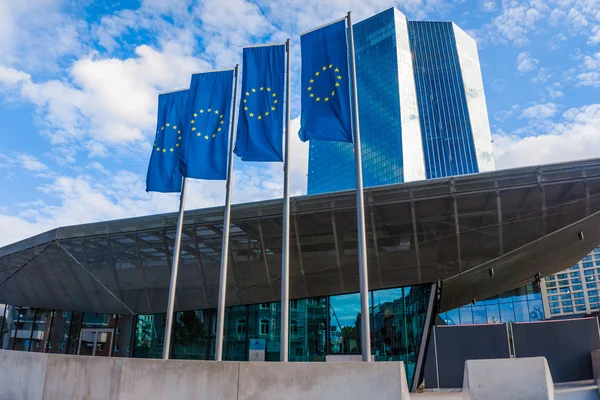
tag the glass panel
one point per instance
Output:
(192, 335)
(344, 323)
(74, 331)
(104, 342)
(263, 328)
(479, 315)
(236, 347)
(59, 333)
(536, 310)
(149, 336)
(466, 315)
(6, 314)
(123, 336)
(493, 314)
(86, 345)
(41, 330)
(398, 321)
(22, 328)
(507, 313)
(308, 323)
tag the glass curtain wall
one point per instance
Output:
(523, 304)
(318, 327)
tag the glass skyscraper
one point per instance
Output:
(422, 107)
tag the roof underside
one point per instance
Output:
(520, 222)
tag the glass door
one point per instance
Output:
(95, 342)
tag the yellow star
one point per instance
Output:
(309, 88)
(218, 129)
(253, 90)
(214, 135)
(266, 113)
(158, 149)
(326, 99)
(201, 111)
(222, 121)
(318, 99)
(259, 117)
(333, 93)
(247, 94)
(221, 116)
(168, 124)
(179, 138)
(164, 150)
(262, 88)
(193, 128)
(312, 95)
(337, 70)
(275, 101)
(324, 68)
(274, 94)
(251, 114)
(337, 84)
(195, 115)
(174, 127)
(245, 100)
(171, 149)
(206, 137)
(176, 144)
(179, 132)
(209, 110)
(312, 81)
(192, 121)
(339, 77)
(317, 73)
(246, 108)
(216, 111)
(272, 108)
(162, 129)
(268, 89)
(330, 65)
(199, 134)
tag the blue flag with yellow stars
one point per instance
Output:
(205, 143)
(163, 170)
(260, 125)
(325, 113)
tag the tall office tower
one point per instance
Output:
(422, 107)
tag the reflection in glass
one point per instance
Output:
(149, 336)
(41, 330)
(344, 324)
(59, 332)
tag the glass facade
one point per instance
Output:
(448, 145)
(416, 92)
(519, 305)
(319, 327)
(574, 291)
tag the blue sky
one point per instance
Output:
(78, 85)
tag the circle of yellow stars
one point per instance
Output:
(202, 112)
(168, 127)
(257, 115)
(323, 70)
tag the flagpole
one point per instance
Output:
(226, 223)
(285, 242)
(174, 268)
(365, 325)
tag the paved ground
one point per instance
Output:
(572, 391)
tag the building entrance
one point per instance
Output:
(95, 342)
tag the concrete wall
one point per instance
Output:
(510, 378)
(50, 376)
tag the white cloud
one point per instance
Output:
(31, 163)
(575, 136)
(488, 6)
(526, 63)
(554, 90)
(540, 111)
(588, 79)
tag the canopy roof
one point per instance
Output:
(520, 222)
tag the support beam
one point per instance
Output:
(500, 224)
(264, 251)
(416, 238)
(375, 243)
(299, 246)
(200, 266)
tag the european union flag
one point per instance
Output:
(205, 145)
(325, 113)
(163, 170)
(260, 125)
